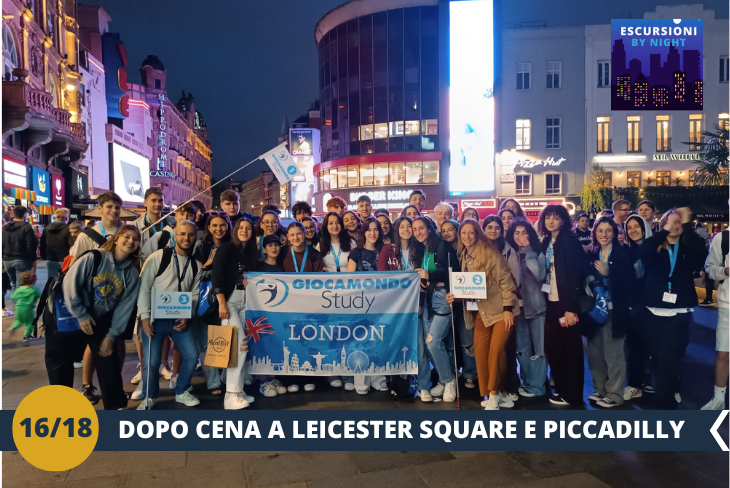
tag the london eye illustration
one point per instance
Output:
(358, 361)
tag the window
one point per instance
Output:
(412, 127)
(663, 177)
(604, 74)
(381, 174)
(366, 175)
(553, 74)
(724, 73)
(430, 127)
(663, 141)
(552, 183)
(414, 172)
(10, 54)
(523, 184)
(353, 176)
(524, 135)
(430, 172)
(633, 179)
(158, 84)
(397, 173)
(324, 179)
(523, 75)
(695, 131)
(604, 138)
(51, 88)
(634, 141)
(381, 131)
(552, 140)
(723, 122)
(342, 177)
(333, 178)
(366, 132)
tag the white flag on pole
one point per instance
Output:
(281, 163)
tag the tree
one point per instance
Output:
(712, 168)
(677, 181)
(649, 181)
(593, 195)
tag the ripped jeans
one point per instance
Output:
(530, 336)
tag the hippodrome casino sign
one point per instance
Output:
(656, 64)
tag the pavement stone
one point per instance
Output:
(222, 475)
(548, 464)
(390, 478)
(116, 481)
(17, 472)
(367, 461)
(295, 467)
(493, 470)
(107, 463)
(578, 480)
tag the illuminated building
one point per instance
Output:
(660, 96)
(679, 87)
(641, 92)
(624, 87)
(697, 86)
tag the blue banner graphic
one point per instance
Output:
(325, 324)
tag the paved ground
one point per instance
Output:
(23, 370)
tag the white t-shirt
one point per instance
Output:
(329, 259)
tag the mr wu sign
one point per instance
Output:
(676, 157)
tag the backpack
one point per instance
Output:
(99, 239)
(167, 258)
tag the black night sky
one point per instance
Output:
(247, 62)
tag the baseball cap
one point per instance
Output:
(273, 238)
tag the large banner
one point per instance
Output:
(324, 324)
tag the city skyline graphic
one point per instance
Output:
(658, 68)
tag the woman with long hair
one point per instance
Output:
(514, 206)
(566, 268)
(492, 319)
(507, 216)
(351, 221)
(670, 258)
(530, 324)
(450, 232)
(411, 211)
(402, 253)
(365, 258)
(470, 213)
(311, 235)
(103, 298)
(614, 267)
(438, 257)
(387, 227)
(231, 262)
(217, 233)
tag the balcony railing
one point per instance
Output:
(695, 143)
(664, 145)
(63, 117)
(20, 94)
(634, 145)
(604, 146)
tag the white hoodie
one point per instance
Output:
(716, 270)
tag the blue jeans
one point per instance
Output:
(424, 368)
(15, 268)
(53, 267)
(437, 326)
(184, 342)
(466, 338)
(530, 337)
(212, 375)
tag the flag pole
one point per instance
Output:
(453, 337)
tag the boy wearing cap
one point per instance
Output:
(272, 248)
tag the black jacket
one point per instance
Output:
(445, 254)
(571, 269)
(692, 253)
(55, 242)
(225, 267)
(621, 286)
(19, 242)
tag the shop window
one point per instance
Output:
(333, 178)
(695, 131)
(663, 141)
(397, 128)
(430, 171)
(397, 173)
(353, 176)
(430, 127)
(414, 173)
(663, 178)
(552, 137)
(553, 74)
(634, 126)
(633, 179)
(552, 183)
(524, 133)
(342, 177)
(381, 131)
(366, 175)
(523, 76)
(380, 173)
(325, 179)
(523, 184)
(366, 132)
(604, 138)
(412, 127)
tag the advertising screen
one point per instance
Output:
(79, 184)
(131, 174)
(302, 142)
(471, 85)
(58, 191)
(41, 181)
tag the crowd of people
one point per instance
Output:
(625, 282)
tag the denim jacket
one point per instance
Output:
(532, 272)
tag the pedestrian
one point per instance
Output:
(492, 319)
(438, 258)
(104, 303)
(336, 204)
(352, 222)
(364, 207)
(670, 258)
(637, 230)
(272, 264)
(268, 225)
(231, 205)
(716, 268)
(514, 206)
(567, 268)
(417, 198)
(530, 324)
(470, 213)
(6, 288)
(647, 211)
(74, 229)
(55, 242)
(160, 276)
(386, 226)
(26, 296)
(20, 245)
(582, 230)
(442, 213)
(301, 210)
(506, 216)
(231, 262)
(411, 211)
(613, 267)
(310, 231)
(152, 222)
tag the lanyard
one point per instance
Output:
(180, 278)
(600, 256)
(103, 232)
(405, 259)
(427, 256)
(336, 257)
(261, 246)
(211, 250)
(304, 261)
(152, 227)
(673, 252)
(549, 256)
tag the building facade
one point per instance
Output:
(259, 192)
(42, 132)
(647, 148)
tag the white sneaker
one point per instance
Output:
(268, 390)
(425, 396)
(280, 389)
(514, 396)
(492, 403)
(631, 392)
(146, 404)
(137, 379)
(247, 397)
(292, 388)
(336, 383)
(715, 404)
(525, 393)
(505, 401)
(81, 365)
(187, 399)
(247, 380)
(235, 401)
(164, 372)
(438, 390)
(349, 386)
(138, 393)
(363, 390)
(309, 387)
(450, 391)
(595, 396)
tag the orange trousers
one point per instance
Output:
(490, 355)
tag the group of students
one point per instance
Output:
(540, 294)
